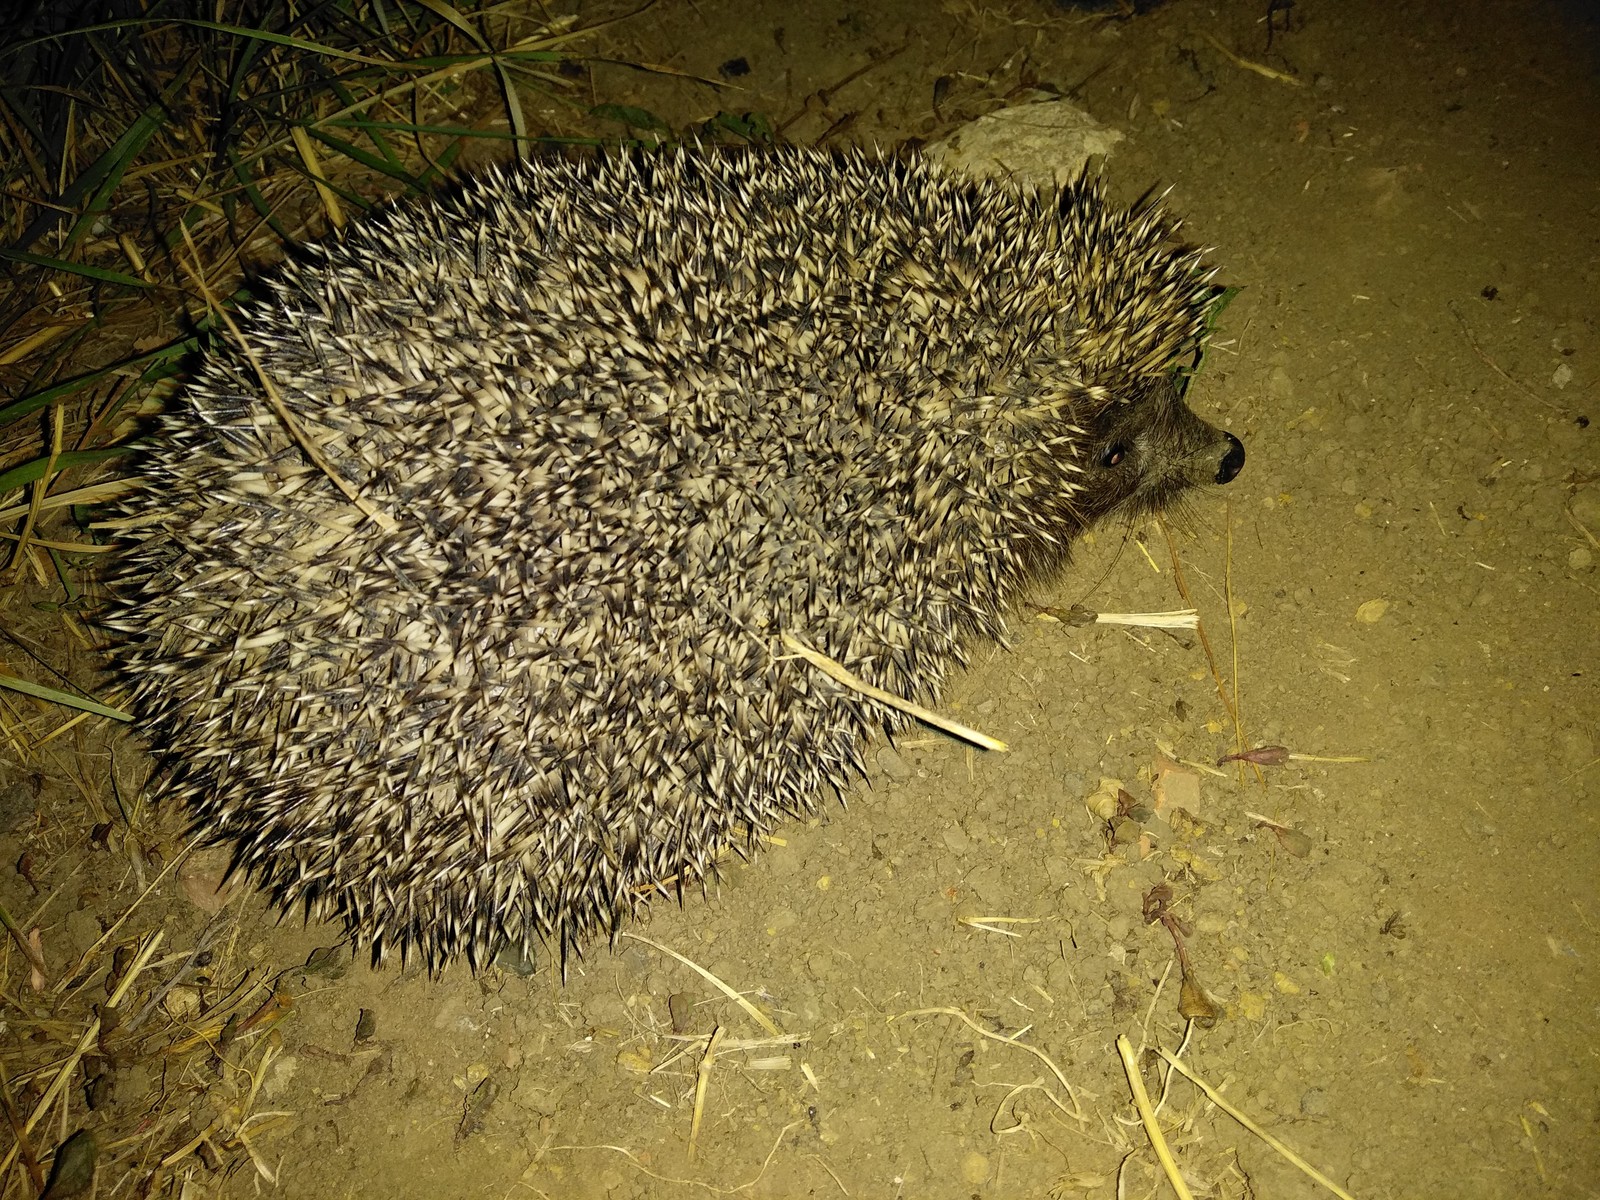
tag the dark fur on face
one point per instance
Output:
(1144, 454)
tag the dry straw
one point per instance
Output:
(325, 109)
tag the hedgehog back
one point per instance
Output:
(635, 418)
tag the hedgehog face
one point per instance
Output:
(1145, 453)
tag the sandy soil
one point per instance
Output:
(1408, 196)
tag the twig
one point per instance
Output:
(1496, 367)
(29, 950)
(207, 936)
(1259, 68)
(1200, 629)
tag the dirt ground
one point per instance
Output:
(1405, 974)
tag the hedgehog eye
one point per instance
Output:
(1114, 454)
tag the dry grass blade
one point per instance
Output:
(992, 924)
(36, 501)
(1147, 1117)
(715, 1189)
(702, 1082)
(840, 673)
(207, 1054)
(133, 186)
(30, 1159)
(29, 950)
(223, 131)
(1182, 618)
(755, 1014)
(291, 423)
(111, 932)
(91, 1034)
(1075, 1110)
(1221, 1102)
(93, 493)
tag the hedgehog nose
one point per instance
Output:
(1232, 462)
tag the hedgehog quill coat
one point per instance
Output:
(631, 420)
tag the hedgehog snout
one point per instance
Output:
(1233, 461)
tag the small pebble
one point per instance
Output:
(891, 764)
(1314, 1103)
(680, 1005)
(975, 1168)
(781, 921)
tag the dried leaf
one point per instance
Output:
(1195, 1005)
(1262, 756)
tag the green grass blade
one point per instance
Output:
(40, 692)
(99, 274)
(160, 363)
(32, 472)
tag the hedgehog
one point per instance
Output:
(456, 596)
